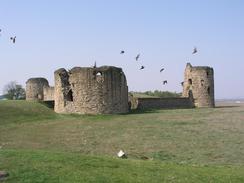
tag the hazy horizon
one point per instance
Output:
(64, 34)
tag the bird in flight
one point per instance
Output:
(137, 57)
(13, 39)
(161, 69)
(194, 50)
(165, 82)
(142, 67)
(122, 52)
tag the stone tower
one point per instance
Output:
(87, 90)
(34, 88)
(199, 84)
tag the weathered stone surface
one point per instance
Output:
(34, 88)
(104, 90)
(48, 93)
(86, 90)
(161, 103)
(199, 82)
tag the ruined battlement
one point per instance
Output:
(88, 90)
(34, 88)
(104, 90)
(199, 82)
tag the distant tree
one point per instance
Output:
(14, 91)
(157, 93)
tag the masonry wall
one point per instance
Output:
(87, 90)
(199, 82)
(161, 103)
(34, 88)
(48, 93)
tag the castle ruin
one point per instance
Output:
(35, 88)
(83, 90)
(199, 83)
(104, 90)
(198, 91)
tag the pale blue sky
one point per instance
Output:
(57, 33)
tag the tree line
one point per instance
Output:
(13, 91)
(158, 93)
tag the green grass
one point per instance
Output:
(23, 111)
(40, 166)
(198, 144)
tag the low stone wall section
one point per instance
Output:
(161, 103)
(48, 93)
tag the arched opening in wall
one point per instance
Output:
(207, 73)
(99, 77)
(70, 96)
(190, 94)
(208, 90)
(202, 82)
(190, 81)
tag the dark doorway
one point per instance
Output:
(70, 96)
(209, 90)
(190, 81)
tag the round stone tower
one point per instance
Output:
(199, 84)
(34, 88)
(86, 90)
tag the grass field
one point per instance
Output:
(183, 145)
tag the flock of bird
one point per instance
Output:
(143, 67)
(12, 39)
(162, 69)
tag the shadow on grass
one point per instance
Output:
(155, 110)
(227, 106)
(49, 104)
(142, 111)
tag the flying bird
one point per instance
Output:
(194, 50)
(142, 67)
(13, 39)
(137, 57)
(161, 69)
(122, 52)
(165, 82)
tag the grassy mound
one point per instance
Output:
(23, 111)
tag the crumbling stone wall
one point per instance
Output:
(88, 90)
(161, 103)
(199, 82)
(34, 88)
(48, 93)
